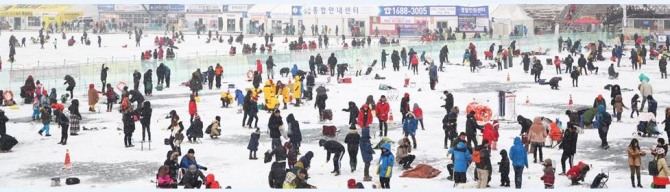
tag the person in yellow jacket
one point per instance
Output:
(272, 104)
(254, 92)
(269, 90)
(286, 94)
(226, 99)
(297, 89)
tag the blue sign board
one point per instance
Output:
(106, 7)
(167, 7)
(404, 11)
(481, 11)
(177, 7)
(296, 10)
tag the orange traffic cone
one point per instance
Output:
(68, 164)
(508, 78)
(527, 101)
(570, 103)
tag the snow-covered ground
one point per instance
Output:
(101, 161)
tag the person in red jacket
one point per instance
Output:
(418, 114)
(557, 63)
(364, 117)
(415, 64)
(192, 107)
(382, 109)
(577, 173)
(259, 67)
(490, 134)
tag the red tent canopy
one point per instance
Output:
(586, 20)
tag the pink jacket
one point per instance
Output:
(537, 132)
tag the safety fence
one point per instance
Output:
(51, 73)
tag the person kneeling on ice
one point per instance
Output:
(226, 99)
(190, 180)
(189, 159)
(194, 132)
(332, 146)
(612, 74)
(578, 173)
(404, 157)
(214, 129)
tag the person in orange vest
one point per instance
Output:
(218, 71)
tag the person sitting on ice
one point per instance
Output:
(189, 159)
(190, 180)
(612, 74)
(164, 179)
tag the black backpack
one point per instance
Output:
(209, 127)
(72, 181)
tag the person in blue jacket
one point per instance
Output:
(366, 152)
(385, 168)
(432, 74)
(519, 159)
(189, 159)
(294, 70)
(462, 158)
(409, 127)
(239, 97)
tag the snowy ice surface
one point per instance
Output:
(101, 161)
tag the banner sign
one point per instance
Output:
(128, 7)
(106, 7)
(167, 7)
(235, 8)
(472, 24)
(203, 8)
(417, 11)
(318, 10)
(481, 11)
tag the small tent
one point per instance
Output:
(505, 17)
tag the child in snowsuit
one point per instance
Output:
(253, 144)
(503, 167)
(548, 176)
(633, 105)
(36, 111)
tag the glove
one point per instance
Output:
(204, 168)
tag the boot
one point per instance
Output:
(367, 178)
(638, 182)
(40, 132)
(353, 166)
(250, 157)
(632, 181)
(414, 141)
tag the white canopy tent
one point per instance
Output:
(505, 17)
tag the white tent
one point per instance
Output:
(505, 17)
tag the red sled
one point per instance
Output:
(346, 80)
(329, 130)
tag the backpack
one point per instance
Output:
(653, 168)
(476, 157)
(209, 127)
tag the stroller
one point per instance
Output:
(647, 127)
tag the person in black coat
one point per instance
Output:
(471, 128)
(569, 146)
(485, 159)
(395, 60)
(148, 86)
(353, 112)
(294, 134)
(70, 85)
(444, 56)
(537, 70)
(274, 123)
(526, 62)
(503, 168)
(568, 63)
(275, 177)
(136, 96)
(449, 127)
(128, 127)
(310, 86)
(136, 80)
(312, 64)
(525, 124)
(553, 82)
(581, 62)
(332, 61)
(195, 130)
(384, 55)
(103, 76)
(352, 140)
(257, 79)
(575, 77)
(3, 123)
(448, 101)
(160, 74)
(210, 77)
(64, 124)
(145, 119)
(334, 147)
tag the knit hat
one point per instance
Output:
(191, 151)
(192, 168)
(547, 162)
(351, 184)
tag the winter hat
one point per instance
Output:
(600, 97)
(174, 154)
(383, 97)
(218, 118)
(91, 86)
(322, 142)
(191, 151)
(192, 168)
(462, 134)
(277, 111)
(359, 185)
(416, 105)
(547, 162)
(406, 95)
(351, 184)
(299, 165)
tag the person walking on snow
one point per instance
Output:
(353, 142)
(366, 152)
(353, 113)
(382, 111)
(519, 159)
(385, 168)
(537, 135)
(635, 161)
(603, 119)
